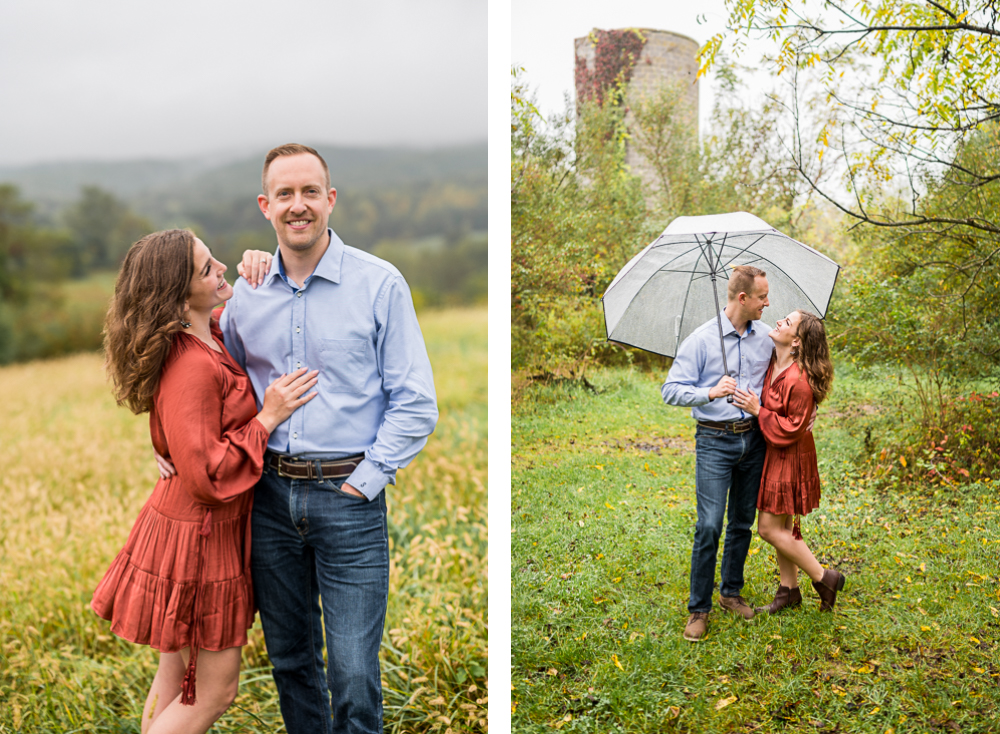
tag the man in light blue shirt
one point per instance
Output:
(319, 518)
(730, 446)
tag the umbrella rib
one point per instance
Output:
(678, 255)
(741, 251)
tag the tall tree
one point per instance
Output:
(914, 109)
(103, 228)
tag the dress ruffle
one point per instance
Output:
(149, 592)
(790, 483)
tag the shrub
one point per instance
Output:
(960, 445)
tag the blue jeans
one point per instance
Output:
(312, 541)
(728, 465)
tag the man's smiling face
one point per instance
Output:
(299, 200)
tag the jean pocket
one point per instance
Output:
(335, 486)
(344, 364)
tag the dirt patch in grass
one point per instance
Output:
(654, 444)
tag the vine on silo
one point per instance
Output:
(615, 55)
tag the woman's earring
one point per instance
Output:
(185, 324)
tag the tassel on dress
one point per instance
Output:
(188, 689)
(188, 692)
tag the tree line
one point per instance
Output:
(57, 268)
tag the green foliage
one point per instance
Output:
(103, 228)
(923, 301)
(904, 448)
(576, 216)
(441, 272)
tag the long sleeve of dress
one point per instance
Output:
(782, 431)
(217, 458)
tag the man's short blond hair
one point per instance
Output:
(743, 280)
(291, 149)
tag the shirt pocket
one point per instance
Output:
(344, 364)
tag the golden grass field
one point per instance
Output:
(75, 471)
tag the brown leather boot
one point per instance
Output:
(827, 588)
(696, 627)
(737, 605)
(783, 597)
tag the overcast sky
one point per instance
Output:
(117, 79)
(542, 33)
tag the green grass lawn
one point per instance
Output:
(602, 517)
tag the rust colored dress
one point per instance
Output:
(789, 483)
(183, 577)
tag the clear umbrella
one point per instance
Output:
(671, 288)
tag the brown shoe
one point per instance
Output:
(783, 597)
(827, 588)
(696, 627)
(736, 604)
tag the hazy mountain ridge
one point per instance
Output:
(191, 181)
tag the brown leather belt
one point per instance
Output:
(299, 469)
(742, 426)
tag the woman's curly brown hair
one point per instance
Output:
(145, 313)
(813, 355)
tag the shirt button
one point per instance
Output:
(299, 294)
(297, 329)
(295, 435)
(298, 365)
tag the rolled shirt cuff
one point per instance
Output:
(703, 395)
(369, 479)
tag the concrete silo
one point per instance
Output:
(664, 60)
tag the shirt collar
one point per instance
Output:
(728, 328)
(329, 267)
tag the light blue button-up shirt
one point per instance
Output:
(353, 320)
(698, 367)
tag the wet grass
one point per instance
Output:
(603, 513)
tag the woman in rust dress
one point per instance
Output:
(799, 378)
(182, 582)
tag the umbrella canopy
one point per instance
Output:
(670, 288)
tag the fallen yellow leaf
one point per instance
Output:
(619, 665)
(725, 702)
